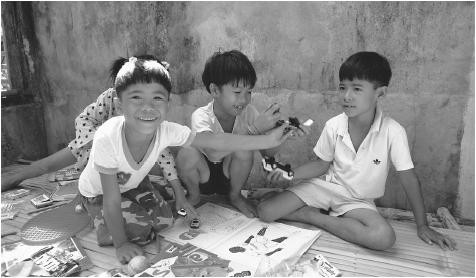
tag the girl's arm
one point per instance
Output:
(180, 199)
(93, 116)
(125, 250)
(54, 162)
(166, 163)
(233, 142)
(411, 185)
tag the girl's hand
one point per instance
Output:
(429, 236)
(267, 120)
(127, 251)
(182, 203)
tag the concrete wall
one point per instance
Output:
(296, 49)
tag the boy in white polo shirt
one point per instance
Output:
(229, 77)
(354, 153)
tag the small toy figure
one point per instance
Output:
(293, 121)
(182, 212)
(270, 164)
(195, 223)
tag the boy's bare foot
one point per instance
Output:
(243, 205)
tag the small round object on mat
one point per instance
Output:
(54, 225)
(137, 265)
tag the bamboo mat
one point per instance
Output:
(409, 257)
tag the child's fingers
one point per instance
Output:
(273, 109)
(304, 130)
(450, 243)
(137, 252)
(123, 259)
(441, 244)
(274, 176)
(192, 212)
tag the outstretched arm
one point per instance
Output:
(412, 188)
(54, 162)
(232, 142)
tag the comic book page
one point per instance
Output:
(264, 245)
(217, 223)
(63, 258)
(246, 242)
(192, 261)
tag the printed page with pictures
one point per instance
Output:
(217, 224)
(265, 245)
(232, 236)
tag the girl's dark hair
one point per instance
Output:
(225, 67)
(139, 70)
(369, 66)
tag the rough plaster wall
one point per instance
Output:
(466, 177)
(79, 42)
(296, 49)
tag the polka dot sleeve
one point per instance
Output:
(86, 124)
(167, 165)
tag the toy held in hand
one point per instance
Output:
(294, 122)
(270, 164)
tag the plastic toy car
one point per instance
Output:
(182, 212)
(195, 223)
(270, 164)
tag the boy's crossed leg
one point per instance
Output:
(358, 224)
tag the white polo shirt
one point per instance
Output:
(204, 120)
(364, 172)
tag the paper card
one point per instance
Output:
(159, 269)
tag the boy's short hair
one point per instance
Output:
(230, 66)
(369, 66)
(140, 69)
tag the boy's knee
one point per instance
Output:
(384, 237)
(265, 212)
(187, 158)
(243, 155)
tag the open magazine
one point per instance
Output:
(187, 261)
(244, 241)
(60, 259)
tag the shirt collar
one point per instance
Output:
(375, 127)
(377, 121)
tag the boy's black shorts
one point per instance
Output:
(217, 183)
